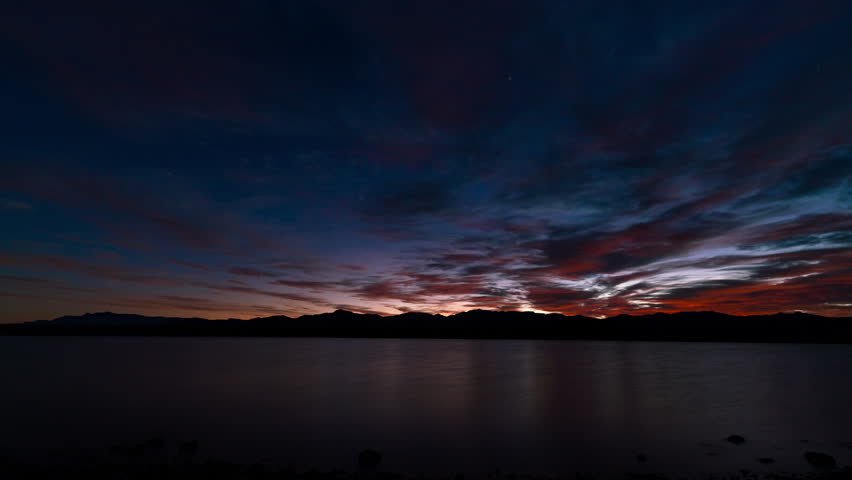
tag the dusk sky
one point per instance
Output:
(226, 158)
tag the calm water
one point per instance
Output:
(434, 405)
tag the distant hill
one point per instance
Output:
(683, 326)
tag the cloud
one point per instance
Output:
(52, 262)
(632, 163)
(174, 214)
(250, 272)
(15, 206)
(407, 201)
(18, 279)
(189, 264)
(309, 284)
(262, 292)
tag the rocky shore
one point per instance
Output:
(158, 459)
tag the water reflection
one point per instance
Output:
(435, 404)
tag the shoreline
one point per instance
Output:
(157, 458)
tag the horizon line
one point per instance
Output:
(341, 310)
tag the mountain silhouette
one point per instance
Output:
(681, 326)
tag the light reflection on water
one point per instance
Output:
(445, 405)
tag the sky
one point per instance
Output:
(235, 159)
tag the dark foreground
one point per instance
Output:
(152, 460)
(214, 470)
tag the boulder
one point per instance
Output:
(156, 443)
(188, 448)
(820, 460)
(369, 459)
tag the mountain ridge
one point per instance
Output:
(688, 326)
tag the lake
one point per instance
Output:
(434, 405)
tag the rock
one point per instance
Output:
(369, 459)
(156, 443)
(766, 460)
(820, 460)
(188, 448)
(119, 449)
(736, 439)
(136, 450)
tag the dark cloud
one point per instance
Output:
(15, 205)
(73, 266)
(407, 201)
(263, 292)
(189, 264)
(17, 279)
(250, 272)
